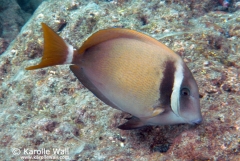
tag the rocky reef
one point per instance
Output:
(49, 108)
(13, 15)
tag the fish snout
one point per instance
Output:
(197, 122)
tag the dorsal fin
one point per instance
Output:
(113, 33)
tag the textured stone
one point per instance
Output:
(13, 15)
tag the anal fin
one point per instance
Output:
(133, 123)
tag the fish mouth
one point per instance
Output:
(196, 122)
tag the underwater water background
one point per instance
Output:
(49, 109)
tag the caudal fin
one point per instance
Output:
(56, 50)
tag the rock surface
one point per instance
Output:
(49, 108)
(13, 15)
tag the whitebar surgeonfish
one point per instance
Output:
(132, 72)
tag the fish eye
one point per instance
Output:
(185, 92)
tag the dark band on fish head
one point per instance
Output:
(166, 85)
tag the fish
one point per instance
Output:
(129, 71)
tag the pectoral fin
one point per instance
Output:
(152, 111)
(157, 111)
(133, 123)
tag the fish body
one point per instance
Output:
(132, 72)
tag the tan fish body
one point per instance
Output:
(131, 72)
